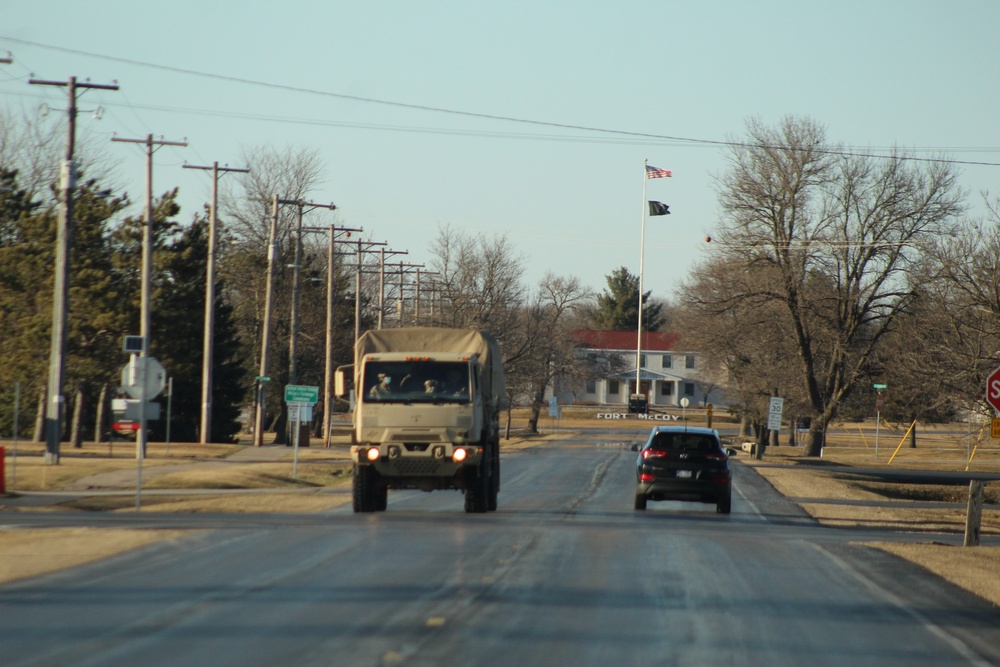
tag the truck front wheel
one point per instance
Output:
(477, 489)
(365, 490)
(495, 478)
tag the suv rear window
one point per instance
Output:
(695, 442)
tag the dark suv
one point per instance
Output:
(684, 463)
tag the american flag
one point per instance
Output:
(656, 172)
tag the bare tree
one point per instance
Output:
(840, 232)
(945, 351)
(32, 142)
(246, 205)
(543, 349)
(480, 281)
(289, 173)
(724, 312)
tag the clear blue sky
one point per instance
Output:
(914, 73)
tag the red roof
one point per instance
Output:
(626, 340)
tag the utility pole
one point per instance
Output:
(331, 254)
(416, 300)
(262, 379)
(362, 247)
(297, 273)
(147, 270)
(209, 333)
(147, 232)
(60, 289)
(293, 338)
(272, 256)
(403, 271)
(381, 280)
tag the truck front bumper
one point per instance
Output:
(439, 466)
(439, 460)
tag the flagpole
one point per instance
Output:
(642, 255)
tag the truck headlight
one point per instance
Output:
(459, 455)
(373, 454)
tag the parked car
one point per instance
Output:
(684, 463)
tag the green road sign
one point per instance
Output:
(295, 393)
(880, 386)
(263, 378)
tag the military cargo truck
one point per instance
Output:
(426, 415)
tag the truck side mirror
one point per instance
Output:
(339, 382)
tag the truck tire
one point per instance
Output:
(495, 478)
(364, 491)
(491, 500)
(477, 490)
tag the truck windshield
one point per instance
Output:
(416, 381)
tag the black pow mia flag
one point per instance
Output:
(658, 208)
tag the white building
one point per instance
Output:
(667, 374)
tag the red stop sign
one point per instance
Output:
(993, 389)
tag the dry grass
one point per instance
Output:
(27, 471)
(821, 494)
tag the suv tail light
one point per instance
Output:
(653, 454)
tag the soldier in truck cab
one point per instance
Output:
(383, 387)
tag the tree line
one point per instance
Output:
(827, 272)
(471, 281)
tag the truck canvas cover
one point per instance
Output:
(429, 340)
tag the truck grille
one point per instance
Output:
(415, 437)
(415, 466)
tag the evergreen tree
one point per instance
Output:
(25, 298)
(618, 306)
(177, 324)
(27, 245)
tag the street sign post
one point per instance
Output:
(300, 399)
(144, 378)
(879, 406)
(776, 407)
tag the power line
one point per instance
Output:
(484, 116)
(292, 120)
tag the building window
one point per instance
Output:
(689, 361)
(689, 388)
(666, 389)
(642, 361)
(613, 387)
(591, 386)
(667, 361)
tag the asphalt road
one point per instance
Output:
(565, 573)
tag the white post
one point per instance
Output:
(642, 254)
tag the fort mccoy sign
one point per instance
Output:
(639, 416)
